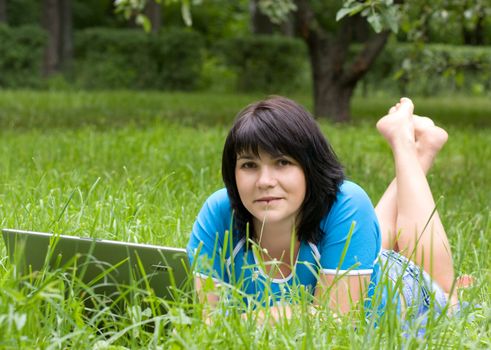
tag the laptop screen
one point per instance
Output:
(112, 269)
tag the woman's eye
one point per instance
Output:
(248, 165)
(284, 162)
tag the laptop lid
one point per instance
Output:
(113, 269)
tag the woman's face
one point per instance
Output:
(270, 188)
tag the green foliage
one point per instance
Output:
(269, 64)
(179, 57)
(277, 10)
(432, 70)
(134, 8)
(23, 12)
(214, 19)
(127, 58)
(381, 14)
(446, 21)
(95, 13)
(216, 76)
(21, 54)
(113, 58)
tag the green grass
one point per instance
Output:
(137, 167)
(54, 109)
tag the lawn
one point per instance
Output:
(137, 167)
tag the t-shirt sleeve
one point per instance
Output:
(352, 240)
(210, 231)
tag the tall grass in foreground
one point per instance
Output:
(146, 184)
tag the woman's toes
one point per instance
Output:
(398, 125)
(407, 106)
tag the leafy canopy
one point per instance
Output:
(380, 14)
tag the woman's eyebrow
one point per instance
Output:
(246, 156)
(280, 155)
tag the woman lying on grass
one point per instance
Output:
(296, 221)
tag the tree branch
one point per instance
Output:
(308, 27)
(342, 41)
(366, 57)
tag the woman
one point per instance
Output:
(288, 218)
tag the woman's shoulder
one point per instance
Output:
(351, 234)
(219, 197)
(350, 191)
(218, 202)
(214, 217)
(350, 198)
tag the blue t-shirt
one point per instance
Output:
(350, 245)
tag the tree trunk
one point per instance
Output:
(154, 14)
(66, 33)
(334, 80)
(58, 23)
(51, 23)
(3, 11)
(332, 94)
(334, 101)
(476, 35)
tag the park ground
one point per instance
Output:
(137, 167)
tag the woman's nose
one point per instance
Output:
(266, 178)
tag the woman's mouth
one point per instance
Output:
(267, 200)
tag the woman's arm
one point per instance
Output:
(348, 251)
(206, 249)
(207, 298)
(341, 293)
(204, 296)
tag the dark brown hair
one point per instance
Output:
(280, 126)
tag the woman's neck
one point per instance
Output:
(277, 242)
(276, 239)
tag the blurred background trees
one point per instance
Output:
(442, 47)
(3, 11)
(57, 21)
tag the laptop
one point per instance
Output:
(106, 270)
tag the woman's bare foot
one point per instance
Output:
(421, 123)
(398, 126)
(464, 281)
(429, 140)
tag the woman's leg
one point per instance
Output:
(429, 140)
(420, 233)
